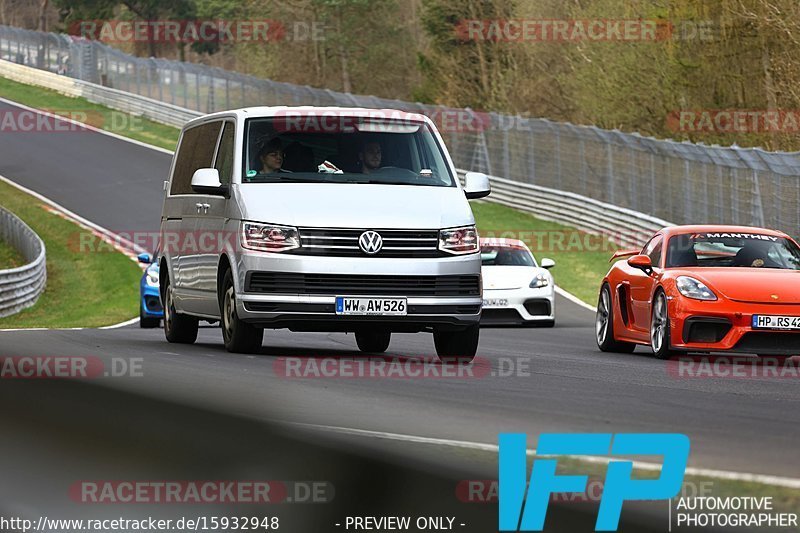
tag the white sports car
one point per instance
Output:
(516, 290)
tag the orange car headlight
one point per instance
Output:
(694, 289)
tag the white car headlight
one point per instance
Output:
(694, 288)
(269, 237)
(540, 281)
(459, 241)
(152, 276)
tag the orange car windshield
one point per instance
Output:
(744, 250)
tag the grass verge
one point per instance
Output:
(581, 259)
(83, 289)
(9, 257)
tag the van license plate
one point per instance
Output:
(371, 306)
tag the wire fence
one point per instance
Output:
(676, 181)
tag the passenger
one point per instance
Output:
(271, 156)
(370, 156)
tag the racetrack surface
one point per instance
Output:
(566, 384)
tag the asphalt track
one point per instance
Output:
(559, 380)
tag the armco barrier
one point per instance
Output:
(20, 287)
(624, 226)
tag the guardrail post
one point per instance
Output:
(688, 197)
(736, 219)
(558, 155)
(653, 206)
(757, 206)
(610, 171)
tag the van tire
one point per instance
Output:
(239, 336)
(180, 329)
(457, 346)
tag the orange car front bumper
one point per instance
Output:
(726, 325)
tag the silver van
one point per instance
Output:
(320, 219)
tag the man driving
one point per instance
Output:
(370, 156)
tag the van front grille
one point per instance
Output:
(335, 242)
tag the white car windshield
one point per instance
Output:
(506, 256)
(343, 149)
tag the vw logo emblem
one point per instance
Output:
(370, 242)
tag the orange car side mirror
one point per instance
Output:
(642, 262)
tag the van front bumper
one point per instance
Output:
(299, 292)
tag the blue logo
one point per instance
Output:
(619, 486)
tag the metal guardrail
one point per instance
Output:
(20, 287)
(627, 228)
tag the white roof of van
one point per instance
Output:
(273, 111)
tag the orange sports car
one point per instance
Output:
(704, 289)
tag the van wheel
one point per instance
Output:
(181, 329)
(457, 346)
(239, 336)
(373, 341)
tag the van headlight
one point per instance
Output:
(269, 237)
(459, 241)
(694, 288)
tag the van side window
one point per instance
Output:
(224, 163)
(196, 151)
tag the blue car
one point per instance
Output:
(150, 310)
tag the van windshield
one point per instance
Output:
(343, 149)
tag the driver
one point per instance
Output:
(370, 156)
(753, 254)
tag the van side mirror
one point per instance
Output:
(206, 181)
(642, 262)
(476, 185)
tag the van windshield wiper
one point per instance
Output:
(384, 182)
(285, 178)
